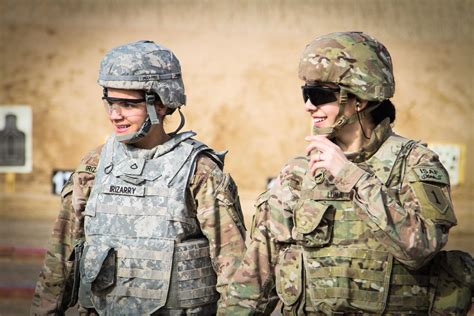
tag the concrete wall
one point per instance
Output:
(239, 62)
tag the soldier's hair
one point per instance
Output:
(158, 101)
(169, 111)
(384, 110)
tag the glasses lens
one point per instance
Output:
(319, 95)
(125, 107)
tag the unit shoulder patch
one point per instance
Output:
(434, 202)
(434, 194)
(431, 174)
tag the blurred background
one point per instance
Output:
(239, 60)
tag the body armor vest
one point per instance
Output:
(344, 268)
(144, 248)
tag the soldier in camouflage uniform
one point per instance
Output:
(150, 224)
(356, 225)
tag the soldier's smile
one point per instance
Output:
(318, 120)
(120, 129)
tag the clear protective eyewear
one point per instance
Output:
(126, 107)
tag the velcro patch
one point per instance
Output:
(436, 197)
(125, 190)
(86, 168)
(431, 174)
(90, 168)
(435, 205)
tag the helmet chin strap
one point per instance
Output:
(342, 120)
(150, 108)
(152, 119)
(182, 120)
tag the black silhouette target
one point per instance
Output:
(12, 143)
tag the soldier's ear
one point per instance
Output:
(160, 109)
(360, 105)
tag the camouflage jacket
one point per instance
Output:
(400, 223)
(212, 193)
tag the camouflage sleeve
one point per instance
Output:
(413, 223)
(252, 291)
(220, 216)
(52, 279)
(54, 283)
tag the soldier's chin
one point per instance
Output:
(128, 138)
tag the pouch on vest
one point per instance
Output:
(193, 280)
(71, 287)
(91, 261)
(75, 258)
(289, 275)
(453, 283)
(314, 222)
(98, 267)
(358, 278)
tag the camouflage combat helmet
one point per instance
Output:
(356, 62)
(144, 65)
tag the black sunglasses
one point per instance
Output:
(319, 94)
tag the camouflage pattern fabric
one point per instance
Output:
(147, 66)
(212, 194)
(137, 213)
(454, 283)
(355, 61)
(54, 286)
(402, 227)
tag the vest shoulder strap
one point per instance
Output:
(200, 148)
(389, 161)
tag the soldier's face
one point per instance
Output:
(326, 114)
(323, 115)
(125, 117)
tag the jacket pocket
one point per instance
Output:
(313, 223)
(289, 275)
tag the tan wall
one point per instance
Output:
(239, 62)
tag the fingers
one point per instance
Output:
(316, 160)
(316, 156)
(315, 165)
(320, 143)
(323, 153)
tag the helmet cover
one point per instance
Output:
(355, 61)
(144, 65)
